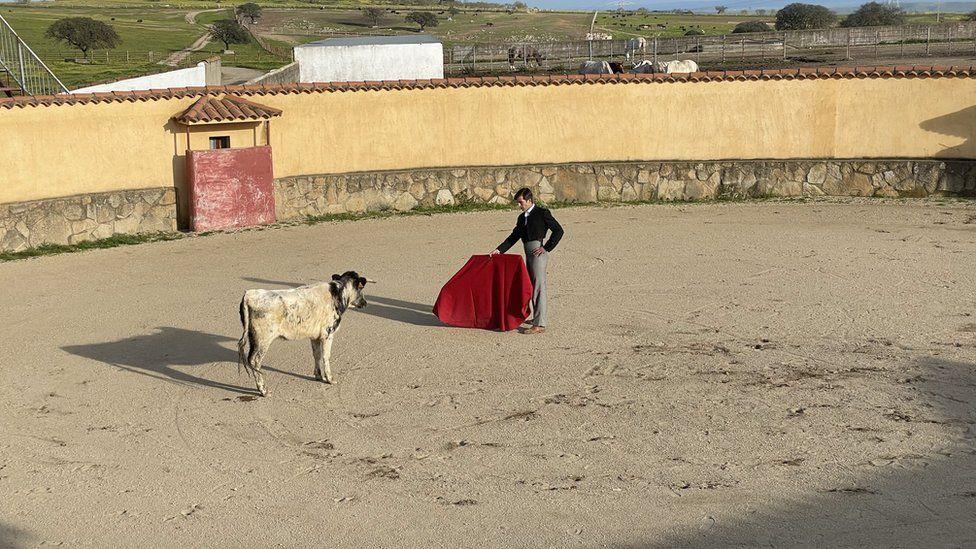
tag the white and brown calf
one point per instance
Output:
(308, 312)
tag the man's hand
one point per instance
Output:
(494, 252)
(538, 251)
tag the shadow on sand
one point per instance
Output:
(172, 354)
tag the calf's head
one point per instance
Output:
(349, 286)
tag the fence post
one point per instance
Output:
(655, 47)
(474, 58)
(742, 44)
(877, 42)
(723, 49)
(928, 39)
(784, 46)
(848, 44)
(126, 56)
(949, 38)
(762, 48)
(675, 40)
(699, 50)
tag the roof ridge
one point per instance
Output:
(802, 73)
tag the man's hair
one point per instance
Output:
(523, 193)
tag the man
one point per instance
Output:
(531, 227)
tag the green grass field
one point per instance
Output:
(149, 35)
(300, 26)
(160, 32)
(152, 30)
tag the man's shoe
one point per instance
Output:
(534, 330)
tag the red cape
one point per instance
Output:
(489, 292)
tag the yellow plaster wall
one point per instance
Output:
(73, 149)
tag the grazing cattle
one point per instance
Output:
(526, 53)
(666, 67)
(595, 67)
(635, 45)
(308, 312)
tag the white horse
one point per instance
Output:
(635, 45)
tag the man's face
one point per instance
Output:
(523, 203)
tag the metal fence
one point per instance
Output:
(22, 70)
(948, 39)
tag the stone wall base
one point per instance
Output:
(74, 219)
(311, 195)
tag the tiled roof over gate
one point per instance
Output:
(211, 109)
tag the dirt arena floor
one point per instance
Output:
(724, 375)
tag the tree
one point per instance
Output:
(374, 15)
(229, 31)
(874, 14)
(453, 11)
(721, 9)
(751, 26)
(249, 10)
(519, 6)
(84, 33)
(760, 12)
(799, 16)
(971, 16)
(423, 18)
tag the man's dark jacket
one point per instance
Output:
(534, 228)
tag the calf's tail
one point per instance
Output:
(241, 343)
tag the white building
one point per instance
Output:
(204, 73)
(415, 57)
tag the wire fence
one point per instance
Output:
(947, 40)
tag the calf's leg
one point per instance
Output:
(259, 347)
(318, 348)
(327, 353)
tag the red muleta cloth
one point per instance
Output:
(489, 292)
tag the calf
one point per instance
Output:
(308, 312)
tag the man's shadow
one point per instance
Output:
(389, 308)
(170, 354)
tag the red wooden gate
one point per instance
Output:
(230, 188)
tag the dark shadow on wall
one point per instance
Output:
(932, 504)
(179, 173)
(389, 308)
(12, 537)
(182, 196)
(958, 124)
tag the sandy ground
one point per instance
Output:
(752, 374)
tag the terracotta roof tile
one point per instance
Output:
(211, 93)
(226, 108)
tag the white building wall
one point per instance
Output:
(180, 78)
(370, 62)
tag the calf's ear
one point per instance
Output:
(336, 277)
(361, 283)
